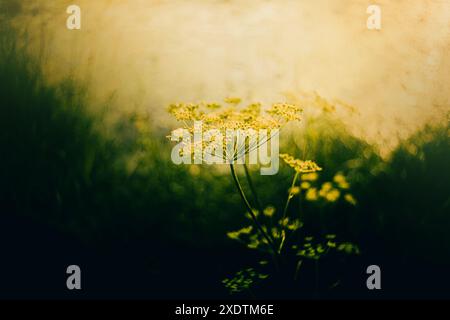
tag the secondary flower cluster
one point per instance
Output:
(300, 166)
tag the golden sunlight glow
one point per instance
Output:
(154, 52)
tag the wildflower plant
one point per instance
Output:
(273, 233)
(225, 134)
(229, 148)
(287, 230)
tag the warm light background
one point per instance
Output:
(153, 52)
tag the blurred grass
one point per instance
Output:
(408, 201)
(61, 165)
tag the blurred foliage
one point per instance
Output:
(62, 165)
(243, 280)
(286, 229)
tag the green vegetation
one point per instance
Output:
(115, 186)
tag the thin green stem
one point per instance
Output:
(252, 189)
(290, 196)
(294, 181)
(297, 269)
(250, 210)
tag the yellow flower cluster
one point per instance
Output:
(233, 100)
(224, 118)
(300, 166)
(310, 177)
(331, 191)
(285, 111)
(254, 240)
(236, 234)
(217, 116)
(341, 181)
(314, 250)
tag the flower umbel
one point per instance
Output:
(247, 122)
(300, 166)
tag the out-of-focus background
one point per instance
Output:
(152, 53)
(85, 165)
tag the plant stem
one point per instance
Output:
(250, 210)
(297, 269)
(294, 181)
(283, 232)
(252, 189)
